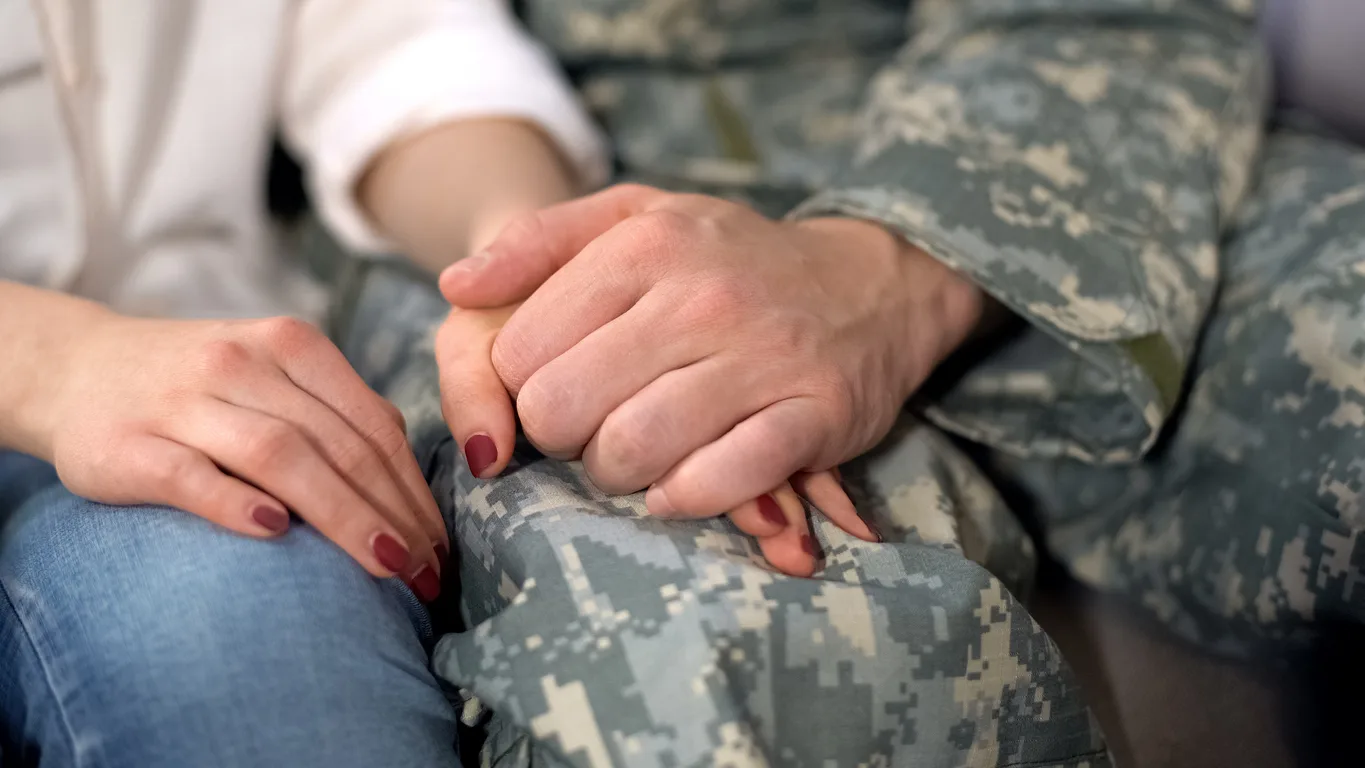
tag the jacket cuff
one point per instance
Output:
(1091, 380)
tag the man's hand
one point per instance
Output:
(471, 387)
(689, 344)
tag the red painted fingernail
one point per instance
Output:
(808, 545)
(426, 584)
(442, 554)
(769, 509)
(390, 552)
(271, 519)
(480, 452)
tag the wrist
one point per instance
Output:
(936, 308)
(46, 366)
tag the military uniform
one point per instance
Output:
(1183, 403)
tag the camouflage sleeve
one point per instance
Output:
(1077, 158)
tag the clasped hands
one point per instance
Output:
(687, 345)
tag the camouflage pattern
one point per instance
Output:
(1243, 529)
(1183, 404)
(601, 636)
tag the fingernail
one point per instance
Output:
(390, 553)
(425, 584)
(480, 452)
(656, 501)
(442, 554)
(771, 511)
(808, 546)
(876, 532)
(271, 519)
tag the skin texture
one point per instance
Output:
(687, 345)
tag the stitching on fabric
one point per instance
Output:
(47, 673)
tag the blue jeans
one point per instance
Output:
(145, 637)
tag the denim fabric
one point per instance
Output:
(146, 637)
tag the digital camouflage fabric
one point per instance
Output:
(601, 636)
(1183, 401)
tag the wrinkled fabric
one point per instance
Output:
(1180, 406)
(1244, 528)
(600, 636)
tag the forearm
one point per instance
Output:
(38, 329)
(447, 190)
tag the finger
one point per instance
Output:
(824, 491)
(318, 368)
(532, 248)
(761, 517)
(761, 452)
(474, 402)
(674, 415)
(160, 471)
(350, 454)
(564, 403)
(791, 550)
(583, 296)
(276, 457)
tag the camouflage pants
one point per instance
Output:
(600, 636)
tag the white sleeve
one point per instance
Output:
(361, 73)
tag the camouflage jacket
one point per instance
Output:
(1078, 158)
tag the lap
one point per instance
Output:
(602, 636)
(145, 636)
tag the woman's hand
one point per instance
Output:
(238, 422)
(482, 419)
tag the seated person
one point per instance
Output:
(1179, 399)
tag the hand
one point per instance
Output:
(481, 419)
(690, 344)
(238, 422)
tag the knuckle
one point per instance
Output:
(622, 456)
(354, 459)
(522, 229)
(288, 333)
(388, 439)
(168, 474)
(224, 358)
(634, 189)
(104, 458)
(511, 361)
(662, 227)
(542, 406)
(273, 444)
(396, 416)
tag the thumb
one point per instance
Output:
(474, 401)
(536, 245)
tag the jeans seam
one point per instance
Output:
(47, 673)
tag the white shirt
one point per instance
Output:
(134, 134)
